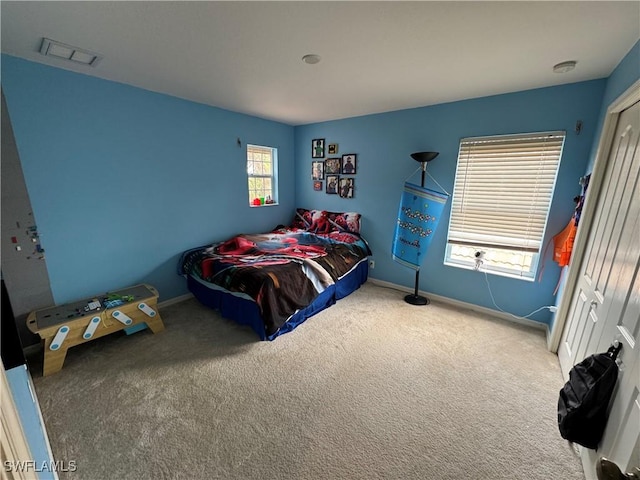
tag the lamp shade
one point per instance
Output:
(424, 156)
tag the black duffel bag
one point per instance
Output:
(584, 399)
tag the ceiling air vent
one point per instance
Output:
(52, 48)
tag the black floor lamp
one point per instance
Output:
(423, 158)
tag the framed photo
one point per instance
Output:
(349, 164)
(332, 149)
(317, 185)
(332, 165)
(332, 184)
(317, 170)
(346, 187)
(317, 148)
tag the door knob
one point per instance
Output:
(594, 304)
(607, 470)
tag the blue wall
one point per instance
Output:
(384, 142)
(122, 180)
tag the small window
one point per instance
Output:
(262, 167)
(501, 199)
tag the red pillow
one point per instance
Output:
(322, 221)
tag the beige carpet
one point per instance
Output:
(372, 388)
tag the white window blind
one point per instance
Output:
(503, 190)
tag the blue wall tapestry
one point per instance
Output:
(418, 217)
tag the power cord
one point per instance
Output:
(552, 308)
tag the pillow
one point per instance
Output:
(302, 219)
(322, 221)
(345, 221)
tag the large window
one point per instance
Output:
(262, 175)
(501, 201)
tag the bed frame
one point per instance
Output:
(243, 310)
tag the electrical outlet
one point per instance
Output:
(372, 264)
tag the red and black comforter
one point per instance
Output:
(282, 271)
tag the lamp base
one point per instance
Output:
(416, 300)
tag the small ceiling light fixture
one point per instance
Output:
(53, 48)
(565, 67)
(311, 59)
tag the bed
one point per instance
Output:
(274, 281)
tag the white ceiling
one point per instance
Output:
(376, 56)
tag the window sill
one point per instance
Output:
(489, 271)
(264, 205)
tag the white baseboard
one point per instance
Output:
(468, 306)
(174, 300)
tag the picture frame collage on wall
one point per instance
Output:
(336, 171)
